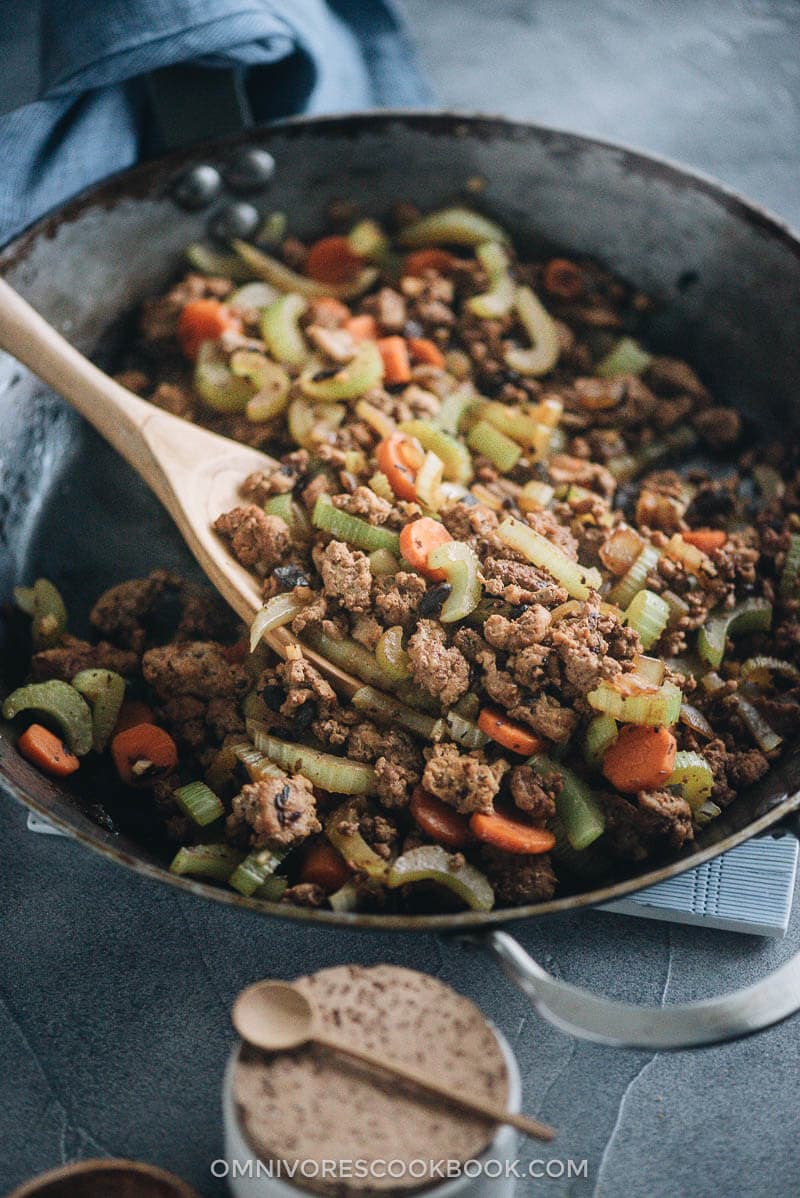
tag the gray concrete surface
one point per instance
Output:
(114, 992)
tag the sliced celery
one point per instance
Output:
(199, 802)
(576, 579)
(627, 357)
(360, 374)
(334, 774)
(633, 581)
(789, 586)
(391, 656)
(501, 451)
(752, 615)
(254, 871)
(212, 262)
(462, 569)
(216, 384)
(455, 458)
(601, 732)
(455, 408)
(465, 732)
(292, 513)
(342, 830)
(353, 529)
(213, 861)
(576, 806)
(263, 266)
(348, 655)
(388, 710)
(368, 240)
(43, 603)
(432, 863)
(105, 690)
(311, 424)
(62, 704)
(451, 226)
(693, 775)
(541, 329)
(497, 301)
(271, 384)
(280, 328)
(648, 615)
(654, 706)
(382, 563)
(520, 426)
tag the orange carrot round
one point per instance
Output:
(425, 350)
(363, 327)
(640, 758)
(432, 259)
(705, 539)
(508, 733)
(47, 751)
(396, 362)
(203, 320)
(510, 834)
(330, 260)
(133, 712)
(399, 458)
(418, 539)
(563, 279)
(442, 823)
(323, 866)
(143, 754)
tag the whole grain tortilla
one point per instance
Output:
(312, 1105)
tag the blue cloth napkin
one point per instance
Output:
(91, 115)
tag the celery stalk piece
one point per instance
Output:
(541, 329)
(311, 424)
(764, 735)
(252, 297)
(576, 579)
(256, 868)
(341, 829)
(216, 384)
(654, 706)
(633, 581)
(432, 863)
(337, 775)
(262, 266)
(345, 899)
(382, 562)
(348, 655)
(501, 451)
(454, 456)
(271, 384)
(280, 328)
(451, 226)
(456, 407)
(292, 513)
(43, 603)
(601, 732)
(520, 426)
(199, 802)
(353, 529)
(498, 300)
(363, 372)
(759, 671)
(576, 806)
(211, 262)
(62, 704)
(789, 586)
(648, 615)
(387, 710)
(213, 861)
(391, 656)
(752, 615)
(627, 357)
(465, 732)
(272, 889)
(105, 690)
(279, 610)
(368, 240)
(462, 569)
(257, 764)
(693, 775)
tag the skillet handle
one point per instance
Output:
(661, 1029)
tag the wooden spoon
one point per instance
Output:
(196, 474)
(275, 1017)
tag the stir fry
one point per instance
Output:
(493, 506)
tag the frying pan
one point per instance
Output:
(724, 274)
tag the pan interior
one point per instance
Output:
(72, 511)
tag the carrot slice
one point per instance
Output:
(418, 539)
(510, 834)
(437, 820)
(203, 320)
(396, 362)
(433, 259)
(143, 754)
(563, 279)
(641, 758)
(362, 328)
(400, 459)
(323, 866)
(330, 260)
(705, 539)
(425, 350)
(508, 733)
(133, 712)
(47, 751)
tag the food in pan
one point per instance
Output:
(576, 641)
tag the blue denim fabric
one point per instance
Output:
(89, 119)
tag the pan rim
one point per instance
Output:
(138, 182)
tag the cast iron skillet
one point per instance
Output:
(726, 276)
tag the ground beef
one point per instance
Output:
(259, 486)
(520, 583)
(312, 615)
(719, 427)
(185, 716)
(640, 825)
(441, 671)
(519, 879)
(529, 628)
(198, 668)
(467, 781)
(389, 309)
(500, 686)
(545, 523)
(223, 718)
(535, 794)
(346, 576)
(473, 523)
(366, 504)
(671, 376)
(733, 769)
(563, 468)
(177, 399)
(367, 631)
(258, 541)
(73, 655)
(305, 894)
(397, 598)
(585, 652)
(120, 611)
(303, 684)
(547, 717)
(394, 782)
(368, 742)
(275, 812)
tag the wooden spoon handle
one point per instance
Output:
(115, 412)
(492, 1112)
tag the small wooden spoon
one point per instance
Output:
(275, 1017)
(196, 474)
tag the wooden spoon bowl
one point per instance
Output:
(102, 1178)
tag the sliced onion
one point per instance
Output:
(765, 737)
(621, 549)
(693, 718)
(280, 610)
